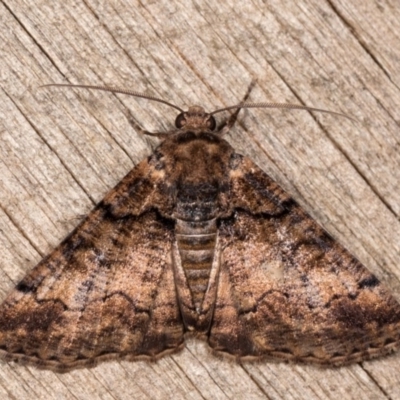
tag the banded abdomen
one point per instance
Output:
(196, 243)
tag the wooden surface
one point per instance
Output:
(61, 151)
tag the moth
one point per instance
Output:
(197, 239)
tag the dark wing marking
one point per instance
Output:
(106, 292)
(288, 290)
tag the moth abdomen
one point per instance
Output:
(196, 243)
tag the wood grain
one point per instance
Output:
(61, 151)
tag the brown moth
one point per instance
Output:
(198, 239)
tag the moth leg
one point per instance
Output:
(139, 129)
(226, 125)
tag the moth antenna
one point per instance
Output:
(114, 90)
(287, 106)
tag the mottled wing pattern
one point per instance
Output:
(107, 291)
(288, 290)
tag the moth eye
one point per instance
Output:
(180, 120)
(211, 123)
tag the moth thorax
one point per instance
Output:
(196, 243)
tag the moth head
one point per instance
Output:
(195, 118)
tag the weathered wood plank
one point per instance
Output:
(61, 151)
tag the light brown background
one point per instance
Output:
(61, 151)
